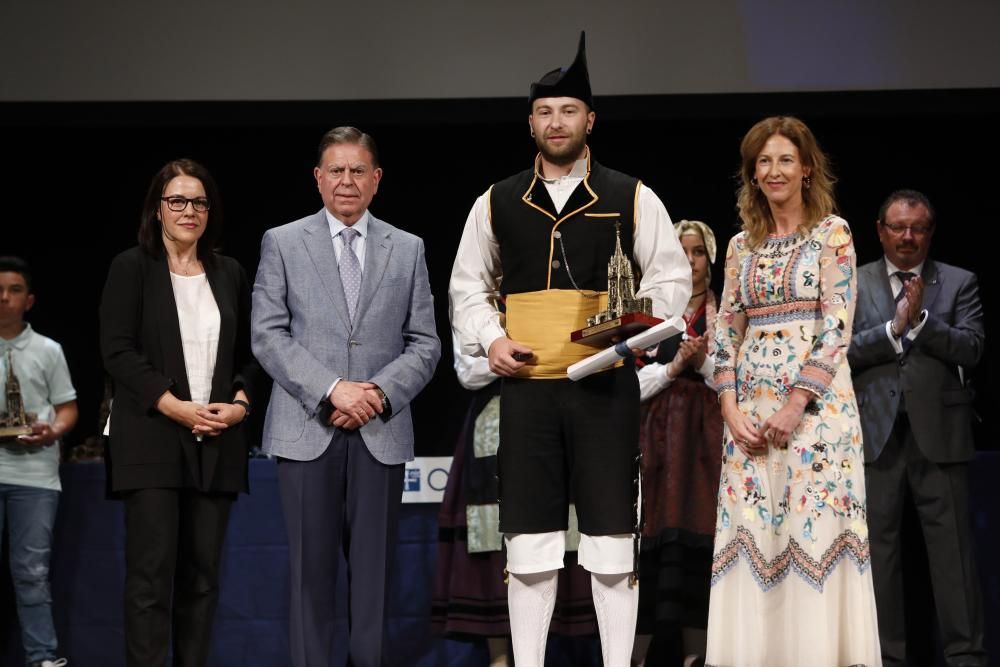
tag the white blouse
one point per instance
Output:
(198, 316)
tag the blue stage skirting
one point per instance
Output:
(251, 626)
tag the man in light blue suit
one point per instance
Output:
(343, 320)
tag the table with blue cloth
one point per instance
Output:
(251, 627)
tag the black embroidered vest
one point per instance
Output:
(529, 230)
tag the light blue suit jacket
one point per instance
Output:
(304, 339)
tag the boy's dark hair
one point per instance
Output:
(11, 264)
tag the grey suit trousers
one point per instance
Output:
(940, 493)
(343, 502)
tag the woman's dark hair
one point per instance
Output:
(150, 229)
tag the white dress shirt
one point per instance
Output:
(561, 187)
(476, 274)
(473, 372)
(897, 286)
(336, 226)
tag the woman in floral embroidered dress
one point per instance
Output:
(791, 583)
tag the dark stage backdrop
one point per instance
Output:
(74, 175)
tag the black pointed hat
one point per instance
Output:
(572, 81)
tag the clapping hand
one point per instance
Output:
(914, 299)
(691, 352)
(909, 307)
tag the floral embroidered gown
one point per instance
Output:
(791, 583)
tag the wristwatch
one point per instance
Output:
(246, 406)
(386, 406)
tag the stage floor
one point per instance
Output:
(251, 626)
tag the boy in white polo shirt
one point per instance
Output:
(29, 464)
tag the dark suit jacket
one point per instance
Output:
(141, 348)
(938, 404)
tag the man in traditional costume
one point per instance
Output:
(542, 239)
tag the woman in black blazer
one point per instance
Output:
(176, 342)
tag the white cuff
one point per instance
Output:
(488, 335)
(707, 368)
(653, 379)
(896, 343)
(914, 331)
(330, 390)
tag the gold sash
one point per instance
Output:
(543, 321)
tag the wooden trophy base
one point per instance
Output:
(623, 327)
(12, 432)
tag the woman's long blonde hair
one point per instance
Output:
(817, 198)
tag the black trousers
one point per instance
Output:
(940, 494)
(561, 439)
(173, 546)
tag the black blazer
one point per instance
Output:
(141, 349)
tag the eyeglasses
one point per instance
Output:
(900, 230)
(178, 203)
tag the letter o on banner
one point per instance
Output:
(437, 479)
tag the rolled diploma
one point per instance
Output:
(608, 357)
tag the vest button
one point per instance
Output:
(555, 264)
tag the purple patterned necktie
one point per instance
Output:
(350, 270)
(903, 277)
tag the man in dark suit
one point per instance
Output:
(918, 331)
(343, 320)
